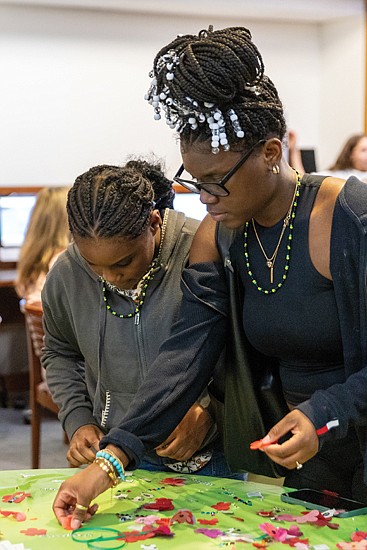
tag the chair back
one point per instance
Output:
(35, 335)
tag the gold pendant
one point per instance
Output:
(270, 265)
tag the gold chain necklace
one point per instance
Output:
(270, 261)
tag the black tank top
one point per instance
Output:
(299, 323)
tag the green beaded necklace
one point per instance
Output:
(147, 277)
(288, 222)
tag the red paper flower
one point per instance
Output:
(356, 536)
(163, 530)
(184, 516)
(262, 544)
(163, 521)
(18, 516)
(160, 504)
(178, 481)
(212, 521)
(134, 536)
(19, 496)
(33, 532)
(266, 513)
(66, 522)
(222, 506)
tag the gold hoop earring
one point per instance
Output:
(275, 169)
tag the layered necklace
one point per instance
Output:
(270, 260)
(139, 294)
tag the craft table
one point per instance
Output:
(218, 514)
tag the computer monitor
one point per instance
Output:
(189, 204)
(15, 210)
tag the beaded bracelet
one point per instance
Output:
(116, 463)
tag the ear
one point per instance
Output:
(155, 221)
(273, 152)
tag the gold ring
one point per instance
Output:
(299, 466)
(80, 507)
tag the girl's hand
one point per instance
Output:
(84, 445)
(76, 494)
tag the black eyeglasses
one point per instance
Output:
(216, 188)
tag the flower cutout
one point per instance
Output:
(174, 481)
(160, 504)
(212, 521)
(211, 533)
(221, 506)
(15, 498)
(33, 532)
(184, 516)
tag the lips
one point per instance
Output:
(216, 215)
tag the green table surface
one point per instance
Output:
(198, 494)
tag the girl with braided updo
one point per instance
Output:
(296, 255)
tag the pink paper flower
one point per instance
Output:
(277, 533)
(147, 520)
(359, 545)
(211, 533)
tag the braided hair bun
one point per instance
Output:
(216, 75)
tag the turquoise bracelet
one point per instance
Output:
(115, 463)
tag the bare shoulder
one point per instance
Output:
(329, 191)
(204, 248)
(320, 224)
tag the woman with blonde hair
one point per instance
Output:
(47, 236)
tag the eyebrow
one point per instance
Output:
(124, 259)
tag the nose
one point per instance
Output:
(207, 198)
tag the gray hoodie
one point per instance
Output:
(95, 361)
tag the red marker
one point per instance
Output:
(256, 445)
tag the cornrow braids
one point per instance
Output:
(213, 87)
(108, 201)
(162, 186)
